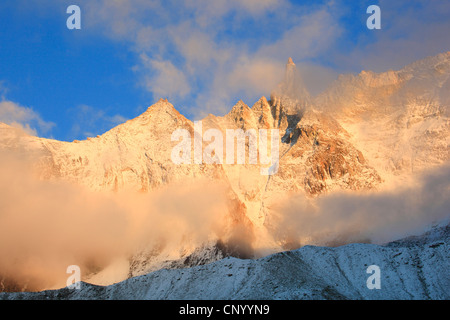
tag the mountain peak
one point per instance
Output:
(260, 103)
(239, 106)
(240, 113)
(289, 77)
(162, 106)
(291, 93)
(160, 114)
(263, 112)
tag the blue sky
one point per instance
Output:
(202, 55)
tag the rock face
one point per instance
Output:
(412, 268)
(360, 134)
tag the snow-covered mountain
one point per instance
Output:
(366, 133)
(412, 268)
(398, 119)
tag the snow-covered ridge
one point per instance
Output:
(412, 268)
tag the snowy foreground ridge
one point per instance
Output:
(411, 268)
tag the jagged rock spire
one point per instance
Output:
(289, 78)
(291, 94)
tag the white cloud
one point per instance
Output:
(201, 53)
(208, 13)
(90, 122)
(376, 216)
(186, 55)
(193, 52)
(313, 35)
(3, 90)
(167, 81)
(410, 30)
(23, 118)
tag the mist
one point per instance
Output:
(373, 217)
(47, 225)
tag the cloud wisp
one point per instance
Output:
(204, 56)
(207, 56)
(88, 120)
(46, 226)
(24, 118)
(375, 217)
